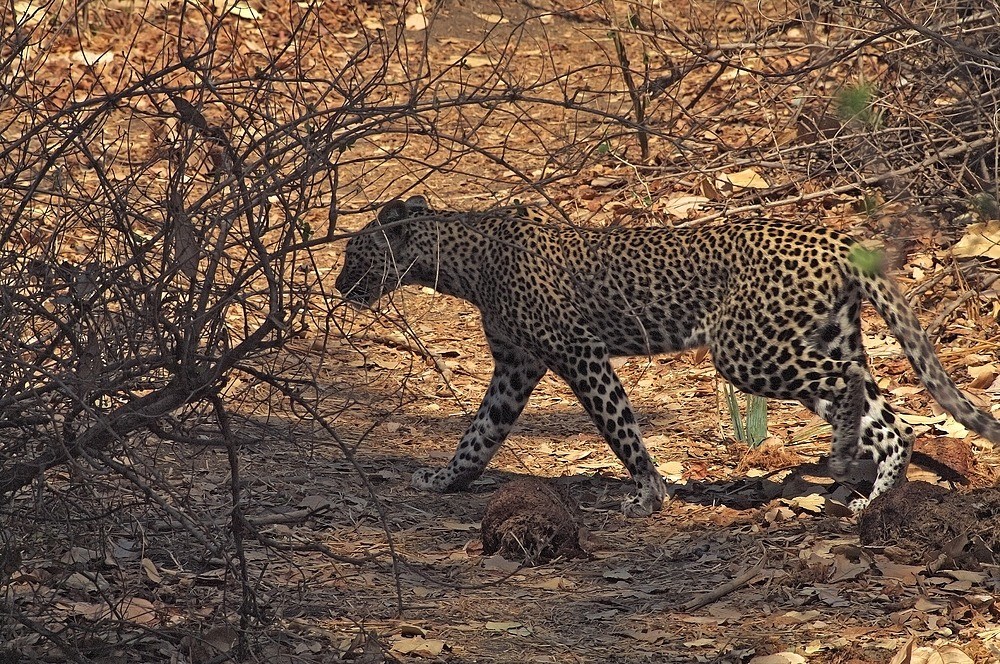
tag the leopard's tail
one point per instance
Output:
(890, 303)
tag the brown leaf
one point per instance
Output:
(419, 647)
(983, 376)
(683, 207)
(416, 21)
(243, 9)
(779, 658)
(945, 654)
(554, 583)
(79, 555)
(905, 573)
(979, 240)
(153, 574)
(186, 248)
(617, 574)
(745, 179)
(139, 610)
(649, 635)
(845, 570)
(500, 564)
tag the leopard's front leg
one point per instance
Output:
(597, 387)
(515, 375)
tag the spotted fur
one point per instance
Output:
(778, 304)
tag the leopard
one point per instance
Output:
(777, 304)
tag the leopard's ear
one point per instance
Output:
(418, 204)
(391, 217)
(392, 211)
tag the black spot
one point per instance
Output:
(502, 413)
(515, 382)
(829, 332)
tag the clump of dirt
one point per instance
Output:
(925, 523)
(771, 454)
(532, 521)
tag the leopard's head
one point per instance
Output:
(377, 258)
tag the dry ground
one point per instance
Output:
(813, 590)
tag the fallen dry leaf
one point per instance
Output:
(412, 630)
(671, 470)
(515, 628)
(845, 570)
(149, 567)
(904, 573)
(473, 61)
(617, 574)
(745, 179)
(682, 206)
(649, 635)
(502, 626)
(554, 583)
(418, 646)
(779, 658)
(415, 22)
(491, 18)
(813, 503)
(945, 654)
(500, 564)
(139, 610)
(980, 240)
(245, 11)
(449, 524)
(983, 375)
(79, 555)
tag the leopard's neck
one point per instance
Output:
(444, 259)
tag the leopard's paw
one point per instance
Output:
(859, 504)
(646, 501)
(840, 466)
(429, 479)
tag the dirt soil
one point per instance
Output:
(926, 523)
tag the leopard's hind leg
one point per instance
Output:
(883, 437)
(826, 370)
(864, 424)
